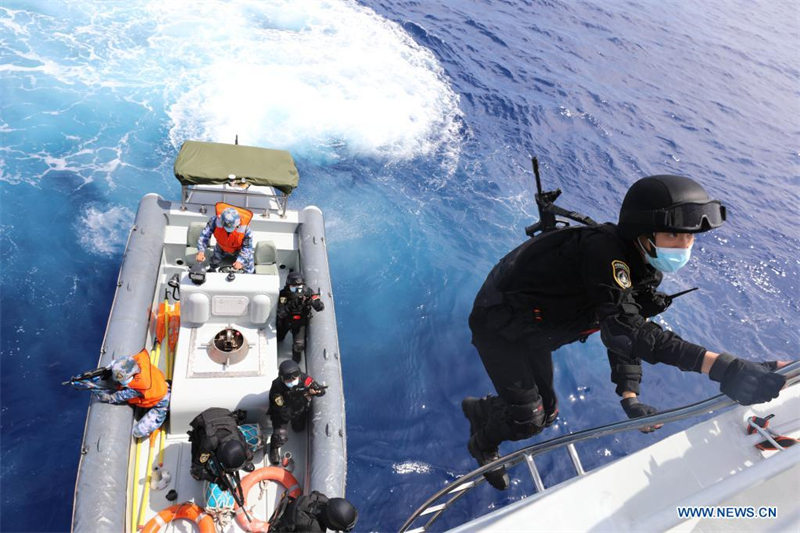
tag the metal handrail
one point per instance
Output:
(281, 200)
(469, 481)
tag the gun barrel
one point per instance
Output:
(535, 163)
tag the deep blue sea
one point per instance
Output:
(412, 124)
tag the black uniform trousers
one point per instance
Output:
(298, 328)
(517, 355)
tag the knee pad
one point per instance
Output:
(299, 344)
(279, 438)
(526, 420)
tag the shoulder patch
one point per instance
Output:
(204, 457)
(279, 401)
(622, 274)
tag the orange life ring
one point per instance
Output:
(267, 473)
(185, 511)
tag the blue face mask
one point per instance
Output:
(669, 259)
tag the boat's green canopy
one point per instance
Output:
(204, 163)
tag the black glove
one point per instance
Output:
(745, 381)
(636, 409)
(200, 473)
(317, 304)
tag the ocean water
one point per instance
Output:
(412, 124)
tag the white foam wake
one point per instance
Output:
(320, 78)
(104, 232)
(324, 79)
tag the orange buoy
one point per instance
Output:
(161, 321)
(267, 473)
(183, 511)
(174, 318)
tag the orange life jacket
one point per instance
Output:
(149, 382)
(231, 242)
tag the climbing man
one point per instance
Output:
(565, 284)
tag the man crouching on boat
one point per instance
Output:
(230, 227)
(565, 284)
(140, 384)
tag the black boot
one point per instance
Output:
(274, 455)
(477, 412)
(296, 354)
(497, 478)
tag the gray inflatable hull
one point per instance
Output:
(328, 438)
(100, 495)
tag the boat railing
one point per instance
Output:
(443, 500)
(240, 195)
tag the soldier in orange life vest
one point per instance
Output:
(230, 227)
(140, 384)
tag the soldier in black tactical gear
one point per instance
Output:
(312, 513)
(566, 284)
(295, 302)
(218, 447)
(289, 401)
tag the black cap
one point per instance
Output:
(340, 515)
(295, 278)
(288, 370)
(231, 454)
(668, 203)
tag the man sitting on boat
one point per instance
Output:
(289, 401)
(230, 227)
(295, 302)
(140, 384)
(313, 512)
(565, 284)
(217, 445)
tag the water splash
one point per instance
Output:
(103, 231)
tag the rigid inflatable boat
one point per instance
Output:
(217, 343)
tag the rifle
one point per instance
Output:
(231, 483)
(302, 389)
(548, 210)
(92, 380)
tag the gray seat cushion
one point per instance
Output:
(265, 258)
(194, 232)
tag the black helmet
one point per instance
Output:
(339, 515)
(295, 278)
(231, 454)
(668, 203)
(288, 370)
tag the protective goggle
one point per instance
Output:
(296, 288)
(291, 377)
(689, 217)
